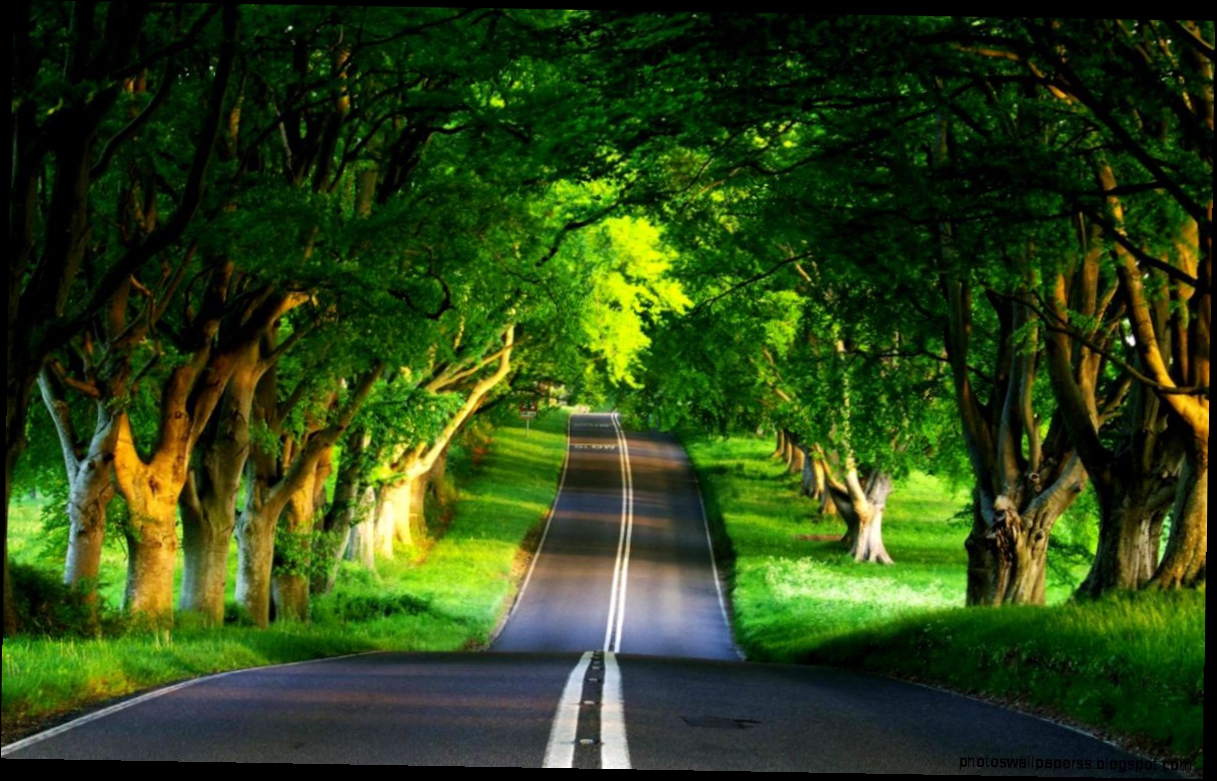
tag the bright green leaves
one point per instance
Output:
(630, 288)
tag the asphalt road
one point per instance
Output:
(617, 654)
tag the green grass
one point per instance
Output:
(452, 600)
(1131, 667)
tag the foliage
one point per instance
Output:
(1131, 666)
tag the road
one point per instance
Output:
(617, 654)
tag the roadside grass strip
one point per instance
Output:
(1130, 668)
(451, 601)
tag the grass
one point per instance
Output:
(451, 600)
(1129, 667)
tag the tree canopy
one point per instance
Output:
(259, 250)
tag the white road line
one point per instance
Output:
(560, 752)
(621, 567)
(718, 585)
(540, 545)
(152, 695)
(614, 749)
(629, 532)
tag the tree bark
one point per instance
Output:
(152, 489)
(255, 559)
(797, 459)
(1185, 561)
(89, 496)
(862, 506)
(346, 511)
(90, 490)
(361, 545)
(274, 481)
(209, 503)
(780, 450)
(807, 485)
(402, 504)
(1008, 545)
(151, 555)
(400, 513)
(293, 562)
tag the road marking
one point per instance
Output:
(718, 586)
(614, 749)
(560, 752)
(540, 545)
(621, 569)
(590, 446)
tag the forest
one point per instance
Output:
(268, 262)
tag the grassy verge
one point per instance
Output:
(451, 601)
(1130, 668)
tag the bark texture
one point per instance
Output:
(861, 504)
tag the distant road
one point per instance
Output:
(616, 655)
(625, 564)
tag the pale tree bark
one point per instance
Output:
(861, 504)
(90, 490)
(788, 451)
(815, 482)
(780, 450)
(807, 479)
(361, 543)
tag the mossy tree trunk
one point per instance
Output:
(274, 481)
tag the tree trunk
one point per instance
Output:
(209, 503)
(89, 495)
(344, 512)
(151, 555)
(862, 509)
(404, 501)
(290, 592)
(90, 489)
(384, 523)
(788, 450)
(781, 444)
(206, 534)
(361, 546)
(808, 485)
(1130, 530)
(1185, 561)
(797, 459)
(152, 491)
(294, 544)
(255, 558)
(1008, 547)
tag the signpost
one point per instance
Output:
(528, 411)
